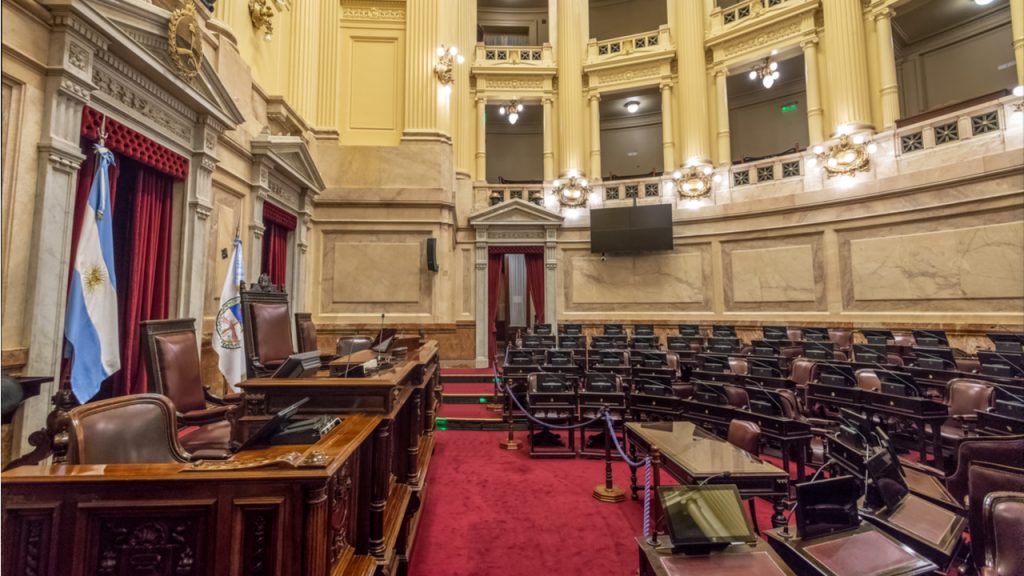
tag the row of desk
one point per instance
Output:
(346, 505)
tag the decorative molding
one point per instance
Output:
(626, 75)
(530, 83)
(75, 89)
(79, 56)
(136, 79)
(373, 10)
(127, 95)
(770, 36)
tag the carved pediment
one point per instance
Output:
(289, 158)
(515, 213)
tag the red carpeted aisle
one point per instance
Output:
(491, 512)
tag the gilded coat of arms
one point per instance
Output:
(184, 41)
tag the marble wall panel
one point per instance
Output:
(676, 281)
(779, 274)
(378, 272)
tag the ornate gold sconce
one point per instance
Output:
(262, 13)
(447, 57)
(694, 181)
(573, 191)
(847, 157)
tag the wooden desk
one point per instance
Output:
(757, 560)
(864, 551)
(693, 455)
(929, 529)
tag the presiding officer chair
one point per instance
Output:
(268, 330)
(136, 429)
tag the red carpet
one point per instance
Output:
(467, 371)
(490, 512)
(467, 411)
(483, 388)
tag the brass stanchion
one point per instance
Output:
(608, 492)
(509, 443)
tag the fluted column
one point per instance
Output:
(463, 110)
(722, 106)
(304, 68)
(693, 104)
(887, 68)
(668, 151)
(573, 23)
(595, 136)
(421, 86)
(815, 121)
(1017, 25)
(847, 63)
(481, 139)
(330, 37)
(549, 153)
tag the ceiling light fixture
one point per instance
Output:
(511, 111)
(632, 106)
(767, 71)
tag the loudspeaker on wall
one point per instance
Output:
(432, 254)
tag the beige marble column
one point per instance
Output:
(549, 133)
(481, 139)
(722, 106)
(330, 39)
(573, 24)
(847, 63)
(421, 85)
(668, 150)
(595, 136)
(1017, 25)
(303, 65)
(889, 91)
(815, 120)
(463, 110)
(693, 80)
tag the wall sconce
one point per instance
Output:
(845, 158)
(693, 182)
(767, 71)
(262, 13)
(447, 57)
(511, 111)
(572, 192)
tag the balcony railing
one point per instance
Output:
(653, 41)
(513, 55)
(742, 10)
(974, 119)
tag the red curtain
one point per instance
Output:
(143, 255)
(278, 223)
(495, 268)
(535, 284)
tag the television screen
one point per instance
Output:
(631, 229)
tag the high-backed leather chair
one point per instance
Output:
(965, 396)
(803, 371)
(1002, 519)
(136, 429)
(305, 332)
(737, 396)
(894, 359)
(268, 327)
(738, 365)
(172, 364)
(984, 479)
(794, 334)
(842, 337)
(969, 365)
(746, 435)
(867, 379)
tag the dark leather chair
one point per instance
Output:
(965, 396)
(803, 371)
(172, 364)
(746, 435)
(738, 365)
(737, 396)
(305, 332)
(137, 429)
(1002, 519)
(984, 479)
(867, 379)
(794, 334)
(843, 339)
(268, 328)
(820, 427)
(968, 365)
(894, 359)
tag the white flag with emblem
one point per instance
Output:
(228, 342)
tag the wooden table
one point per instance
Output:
(756, 560)
(692, 455)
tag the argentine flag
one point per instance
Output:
(91, 322)
(228, 342)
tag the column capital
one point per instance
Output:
(808, 42)
(665, 86)
(594, 96)
(883, 13)
(481, 99)
(721, 70)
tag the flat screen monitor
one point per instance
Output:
(706, 516)
(599, 343)
(571, 342)
(841, 375)
(814, 334)
(826, 506)
(601, 382)
(767, 367)
(878, 336)
(930, 338)
(897, 383)
(271, 427)
(718, 331)
(542, 329)
(775, 332)
(1007, 341)
(551, 382)
(888, 487)
(934, 358)
(764, 401)
(766, 347)
(819, 350)
(689, 330)
(714, 362)
(614, 330)
(1003, 364)
(649, 359)
(519, 358)
(631, 229)
(654, 386)
(612, 341)
(559, 358)
(643, 330)
(724, 344)
(572, 329)
(301, 365)
(678, 344)
(874, 353)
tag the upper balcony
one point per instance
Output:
(513, 59)
(630, 49)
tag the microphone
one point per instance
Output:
(380, 338)
(904, 381)
(782, 411)
(714, 389)
(918, 352)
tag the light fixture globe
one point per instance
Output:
(767, 71)
(632, 106)
(511, 110)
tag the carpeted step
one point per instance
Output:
(476, 416)
(477, 388)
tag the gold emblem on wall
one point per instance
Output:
(184, 41)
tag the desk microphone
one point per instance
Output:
(782, 411)
(380, 338)
(1002, 357)
(911, 385)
